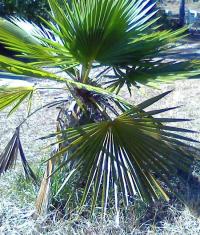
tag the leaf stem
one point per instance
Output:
(50, 88)
(42, 107)
(85, 72)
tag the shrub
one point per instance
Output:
(110, 150)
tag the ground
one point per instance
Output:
(17, 203)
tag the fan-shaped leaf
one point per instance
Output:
(133, 153)
(14, 96)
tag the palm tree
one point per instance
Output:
(106, 146)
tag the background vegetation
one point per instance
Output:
(29, 9)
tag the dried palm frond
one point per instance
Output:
(10, 154)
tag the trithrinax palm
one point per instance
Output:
(114, 147)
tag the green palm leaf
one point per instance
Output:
(29, 70)
(29, 46)
(109, 32)
(152, 73)
(112, 33)
(14, 96)
(133, 154)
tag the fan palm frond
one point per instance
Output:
(152, 73)
(28, 46)
(119, 34)
(10, 154)
(133, 154)
(27, 69)
(109, 32)
(14, 96)
(34, 30)
(8, 28)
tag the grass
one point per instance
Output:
(17, 216)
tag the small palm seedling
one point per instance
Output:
(108, 147)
